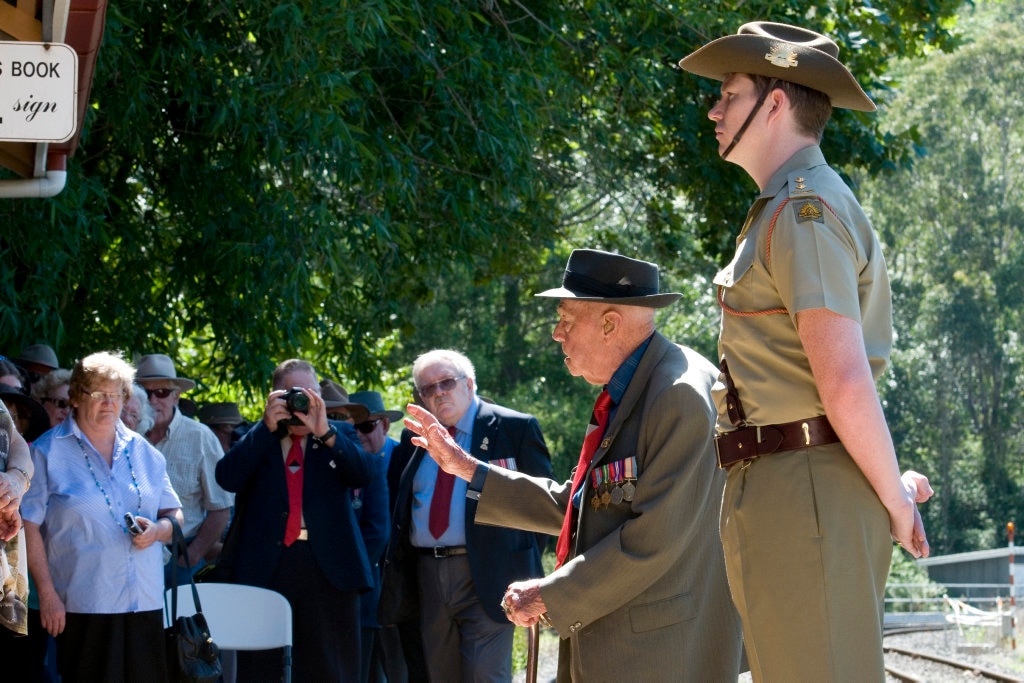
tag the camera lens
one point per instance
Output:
(296, 401)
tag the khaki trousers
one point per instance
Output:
(807, 550)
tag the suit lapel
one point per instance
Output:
(634, 392)
(483, 437)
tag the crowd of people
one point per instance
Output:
(744, 506)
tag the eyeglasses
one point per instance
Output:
(101, 396)
(60, 403)
(442, 385)
(340, 417)
(162, 392)
(368, 426)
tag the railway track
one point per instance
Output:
(903, 665)
(914, 666)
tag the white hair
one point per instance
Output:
(463, 365)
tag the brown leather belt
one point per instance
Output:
(747, 443)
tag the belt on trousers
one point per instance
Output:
(443, 551)
(751, 442)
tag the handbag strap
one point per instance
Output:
(178, 548)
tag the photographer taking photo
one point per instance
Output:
(293, 475)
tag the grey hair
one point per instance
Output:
(462, 364)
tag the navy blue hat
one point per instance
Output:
(593, 275)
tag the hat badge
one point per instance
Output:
(782, 56)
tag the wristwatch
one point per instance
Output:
(322, 440)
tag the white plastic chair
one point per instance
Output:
(242, 617)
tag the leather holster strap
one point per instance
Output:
(747, 443)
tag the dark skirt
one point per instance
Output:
(112, 647)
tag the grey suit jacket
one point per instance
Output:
(643, 595)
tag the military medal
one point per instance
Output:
(628, 491)
(595, 502)
(617, 495)
(606, 497)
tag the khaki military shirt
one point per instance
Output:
(823, 253)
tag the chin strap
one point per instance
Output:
(750, 117)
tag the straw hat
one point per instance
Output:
(789, 53)
(157, 366)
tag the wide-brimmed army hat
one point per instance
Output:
(789, 53)
(593, 275)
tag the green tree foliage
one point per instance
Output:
(955, 226)
(329, 179)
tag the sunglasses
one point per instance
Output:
(443, 385)
(60, 403)
(163, 392)
(368, 426)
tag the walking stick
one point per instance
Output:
(532, 652)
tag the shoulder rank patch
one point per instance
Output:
(807, 210)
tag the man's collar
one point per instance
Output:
(620, 380)
(806, 158)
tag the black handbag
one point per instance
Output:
(192, 656)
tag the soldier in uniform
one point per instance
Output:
(813, 495)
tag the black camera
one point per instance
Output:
(297, 402)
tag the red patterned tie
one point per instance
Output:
(293, 476)
(595, 430)
(441, 501)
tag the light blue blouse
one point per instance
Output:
(79, 503)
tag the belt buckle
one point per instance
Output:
(718, 453)
(440, 552)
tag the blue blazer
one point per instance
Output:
(497, 555)
(254, 469)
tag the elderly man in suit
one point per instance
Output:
(294, 473)
(640, 591)
(460, 569)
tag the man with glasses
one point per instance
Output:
(458, 570)
(192, 451)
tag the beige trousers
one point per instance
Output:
(807, 549)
